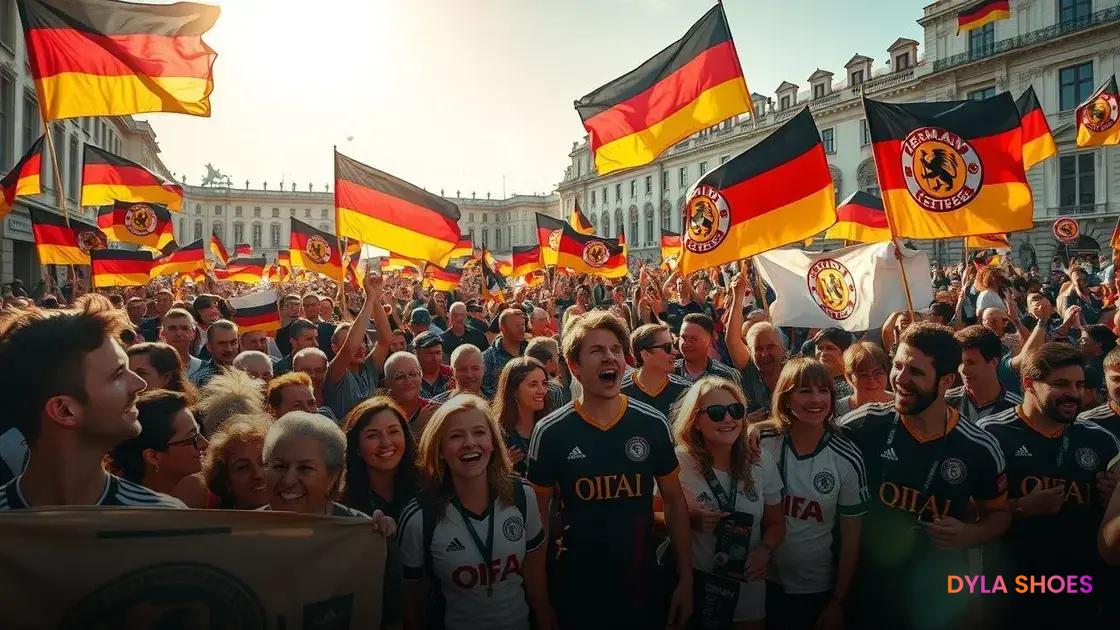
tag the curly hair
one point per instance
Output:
(240, 428)
(226, 395)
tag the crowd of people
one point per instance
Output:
(586, 453)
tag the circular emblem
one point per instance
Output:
(1087, 458)
(318, 249)
(832, 288)
(637, 449)
(513, 528)
(1066, 229)
(953, 470)
(595, 253)
(752, 495)
(1101, 114)
(554, 239)
(706, 219)
(195, 594)
(824, 482)
(90, 240)
(942, 170)
(140, 219)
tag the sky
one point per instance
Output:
(469, 95)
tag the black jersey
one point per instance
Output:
(663, 398)
(714, 368)
(118, 492)
(1105, 416)
(958, 398)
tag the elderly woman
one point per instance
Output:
(866, 367)
(402, 378)
(233, 466)
(161, 367)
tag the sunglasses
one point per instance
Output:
(717, 413)
(667, 348)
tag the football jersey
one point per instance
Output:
(460, 568)
(715, 368)
(1063, 542)
(603, 471)
(1105, 416)
(118, 492)
(959, 399)
(819, 487)
(663, 398)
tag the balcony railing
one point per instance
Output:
(1078, 210)
(1104, 16)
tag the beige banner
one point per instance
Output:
(110, 568)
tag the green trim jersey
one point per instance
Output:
(819, 487)
(959, 399)
(1105, 416)
(662, 399)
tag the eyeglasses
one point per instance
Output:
(667, 347)
(194, 440)
(717, 413)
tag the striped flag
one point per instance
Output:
(988, 241)
(315, 250)
(256, 311)
(982, 13)
(579, 220)
(248, 270)
(549, 231)
(860, 218)
(144, 224)
(218, 249)
(24, 178)
(493, 284)
(108, 178)
(242, 249)
(442, 278)
(60, 244)
(120, 268)
(670, 248)
(189, 259)
(591, 254)
(1097, 117)
(1038, 142)
(463, 251)
(525, 260)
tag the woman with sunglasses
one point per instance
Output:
(825, 485)
(866, 367)
(521, 401)
(735, 504)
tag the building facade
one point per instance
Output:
(1064, 48)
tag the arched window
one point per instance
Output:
(618, 224)
(667, 216)
(197, 229)
(605, 221)
(485, 237)
(632, 233)
(649, 223)
(256, 236)
(866, 178)
(274, 234)
(238, 233)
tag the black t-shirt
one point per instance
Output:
(661, 399)
(284, 339)
(325, 331)
(451, 341)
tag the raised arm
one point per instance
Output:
(341, 361)
(736, 347)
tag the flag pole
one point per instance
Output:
(60, 196)
(338, 233)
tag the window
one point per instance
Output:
(484, 217)
(901, 61)
(592, 197)
(7, 23)
(238, 233)
(1072, 12)
(703, 168)
(1075, 85)
(982, 41)
(683, 177)
(864, 133)
(323, 213)
(485, 237)
(665, 180)
(724, 158)
(498, 238)
(30, 121)
(324, 227)
(198, 208)
(1077, 180)
(649, 184)
(828, 139)
(785, 102)
(197, 229)
(618, 192)
(217, 211)
(649, 225)
(274, 234)
(256, 236)
(75, 170)
(856, 78)
(818, 90)
(307, 213)
(979, 95)
(604, 195)
(633, 188)
(665, 219)
(257, 212)
(470, 217)
(633, 232)
(7, 119)
(291, 212)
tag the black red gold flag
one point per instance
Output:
(1097, 117)
(463, 251)
(218, 249)
(988, 241)
(694, 83)
(982, 13)
(579, 221)
(242, 249)
(493, 284)
(144, 224)
(951, 168)
(670, 248)
(284, 258)
(860, 218)
(442, 278)
(502, 264)
(187, 259)
(248, 270)
(108, 58)
(376, 208)
(591, 254)
(525, 259)
(396, 262)
(60, 244)
(23, 180)
(108, 178)
(315, 250)
(120, 268)
(777, 192)
(256, 312)
(1038, 142)
(549, 231)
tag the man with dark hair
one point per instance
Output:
(941, 313)
(655, 382)
(828, 347)
(70, 395)
(353, 373)
(1054, 464)
(507, 346)
(697, 332)
(981, 395)
(222, 343)
(435, 376)
(302, 334)
(1108, 414)
(1096, 341)
(135, 310)
(289, 312)
(937, 488)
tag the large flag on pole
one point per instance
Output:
(24, 178)
(549, 231)
(108, 178)
(982, 13)
(60, 244)
(952, 168)
(256, 311)
(579, 220)
(108, 58)
(1097, 117)
(988, 241)
(591, 254)
(860, 218)
(694, 83)
(120, 268)
(315, 250)
(379, 209)
(1038, 142)
(775, 193)
(144, 224)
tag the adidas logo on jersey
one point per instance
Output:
(1022, 452)
(576, 454)
(889, 454)
(455, 545)
(705, 498)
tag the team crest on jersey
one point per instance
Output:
(707, 218)
(513, 528)
(833, 288)
(942, 170)
(953, 470)
(824, 482)
(318, 249)
(637, 449)
(1087, 458)
(554, 239)
(752, 494)
(596, 254)
(140, 219)
(1101, 114)
(91, 239)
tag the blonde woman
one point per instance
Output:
(825, 485)
(735, 504)
(472, 513)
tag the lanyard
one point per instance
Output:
(726, 504)
(487, 550)
(934, 465)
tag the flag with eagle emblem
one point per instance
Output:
(139, 223)
(1097, 117)
(315, 250)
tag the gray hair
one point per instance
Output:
(457, 305)
(310, 425)
(543, 349)
(540, 313)
(760, 328)
(308, 352)
(397, 358)
(467, 349)
(241, 361)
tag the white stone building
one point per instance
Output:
(1064, 48)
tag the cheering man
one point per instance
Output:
(654, 382)
(981, 395)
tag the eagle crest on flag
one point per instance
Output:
(595, 254)
(318, 249)
(140, 219)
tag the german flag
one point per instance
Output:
(1038, 143)
(501, 263)
(353, 249)
(108, 178)
(579, 221)
(275, 273)
(1097, 117)
(693, 84)
(860, 218)
(189, 259)
(591, 254)
(108, 58)
(463, 251)
(256, 312)
(549, 231)
(376, 208)
(120, 268)
(982, 13)
(23, 179)
(526, 259)
(315, 250)
(396, 262)
(218, 249)
(988, 241)
(493, 284)
(951, 168)
(248, 270)
(777, 192)
(670, 247)
(442, 278)
(242, 249)
(60, 244)
(144, 224)
(284, 258)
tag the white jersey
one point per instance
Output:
(459, 565)
(829, 482)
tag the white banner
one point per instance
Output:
(855, 288)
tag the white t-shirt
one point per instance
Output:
(988, 299)
(457, 562)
